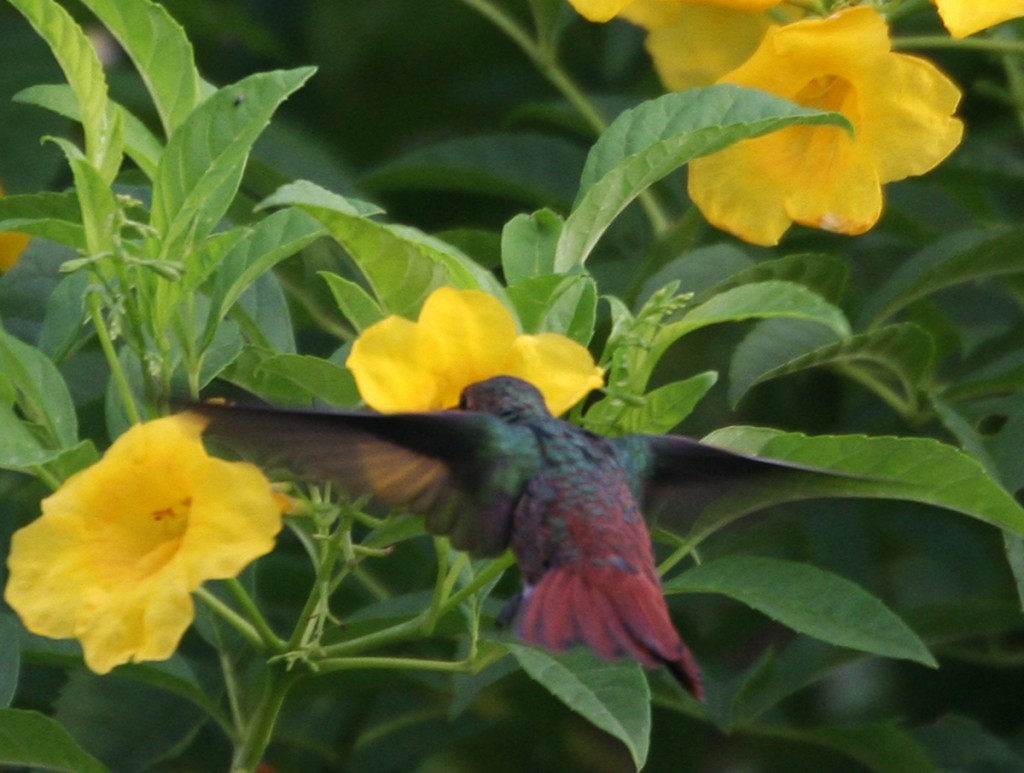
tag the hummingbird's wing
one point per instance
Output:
(678, 478)
(464, 471)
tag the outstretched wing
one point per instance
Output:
(464, 471)
(679, 479)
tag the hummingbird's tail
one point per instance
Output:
(616, 613)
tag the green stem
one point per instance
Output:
(490, 572)
(441, 587)
(120, 379)
(235, 620)
(410, 629)
(270, 639)
(907, 408)
(47, 477)
(311, 619)
(1014, 67)
(259, 729)
(340, 664)
(990, 45)
(686, 548)
(542, 59)
(547, 64)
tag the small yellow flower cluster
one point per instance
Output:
(901, 106)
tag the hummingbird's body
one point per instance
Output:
(582, 544)
(502, 472)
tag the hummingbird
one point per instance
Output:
(501, 472)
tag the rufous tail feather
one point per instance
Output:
(615, 613)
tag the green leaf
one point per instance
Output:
(96, 198)
(660, 410)
(20, 449)
(95, 710)
(824, 274)
(292, 379)
(141, 145)
(354, 302)
(965, 257)
(645, 144)
(263, 245)
(10, 657)
(303, 193)
(64, 322)
(770, 345)
(566, 305)
(175, 676)
(42, 394)
(56, 216)
(901, 354)
(481, 244)
(810, 601)
(202, 165)
(915, 469)
(77, 57)
(528, 245)
(69, 461)
(536, 169)
(263, 315)
(402, 265)
(880, 746)
(763, 300)
(958, 743)
(317, 377)
(698, 271)
(31, 739)
(612, 696)
(161, 52)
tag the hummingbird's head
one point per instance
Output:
(507, 397)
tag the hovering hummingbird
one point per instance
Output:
(500, 472)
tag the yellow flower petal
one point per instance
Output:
(598, 10)
(233, 519)
(900, 106)
(560, 368)
(463, 337)
(12, 245)
(913, 130)
(603, 10)
(389, 374)
(965, 17)
(695, 45)
(142, 621)
(121, 545)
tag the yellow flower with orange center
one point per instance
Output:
(460, 338)
(965, 17)
(900, 106)
(121, 545)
